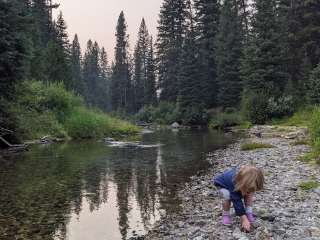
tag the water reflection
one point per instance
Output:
(90, 190)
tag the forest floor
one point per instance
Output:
(288, 207)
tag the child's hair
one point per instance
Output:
(249, 179)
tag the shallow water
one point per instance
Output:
(97, 190)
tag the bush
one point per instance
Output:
(283, 106)
(255, 107)
(259, 107)
(193, 115)
(224, 120)
(313, 86)
(165, 113)
(51, 110)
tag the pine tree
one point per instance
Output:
(190, 101)
(76, 68)
(171, 30)
(263, 65)
(104, 81)
(140, 66)
(207, 16)
(150, 92)
(58, 59)
(121, 87)
(13, 45)
(91, 72)
(229, 50)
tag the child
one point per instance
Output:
(237, 184)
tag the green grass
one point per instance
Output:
(85, 123)
(301, 118)
(300, 142)
(42, 110)
(253, 146)
(309, 185)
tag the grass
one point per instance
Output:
(301, 142)
(253, 146)
(50, 110)
(301, 118)
(309, 185)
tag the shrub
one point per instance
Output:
(165, 113)
(255, 107)
(313, 86)
(193, 115)
(283, 106)
(224, 120)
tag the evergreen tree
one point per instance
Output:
(13, 45)
(121, 87)
(263, 65)
(140, 66)
(190, 102)
(229, 49)
(91, 72)
(104, 81)
(150, 92)
(58, 62)
(171, 30)
(301, 28)
(207, 16)
(76, 68)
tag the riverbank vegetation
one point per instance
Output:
(41, 110)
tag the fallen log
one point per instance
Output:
(13, 147)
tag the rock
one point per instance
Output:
(314, 232)
(175, 125)
(317, 191)
(237, 234)
(263, 234)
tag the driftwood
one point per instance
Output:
(9, 146)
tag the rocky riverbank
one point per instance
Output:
(285, 210)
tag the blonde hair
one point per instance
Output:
(249, 179)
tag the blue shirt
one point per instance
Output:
(226, 180)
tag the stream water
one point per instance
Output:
(100, 190)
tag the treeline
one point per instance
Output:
(259, 56)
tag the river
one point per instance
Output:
(100, 190)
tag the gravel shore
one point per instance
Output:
(284, 210)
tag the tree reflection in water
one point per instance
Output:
(80, 189)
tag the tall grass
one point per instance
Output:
(52, 110)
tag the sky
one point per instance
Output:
(97, 19)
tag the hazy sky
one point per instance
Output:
(97, 19)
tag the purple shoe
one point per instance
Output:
(226, 220)
(250, 217)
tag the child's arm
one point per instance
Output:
(240, 210)
(236, 199)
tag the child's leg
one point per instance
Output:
(226, 219)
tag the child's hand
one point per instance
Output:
(245, 224)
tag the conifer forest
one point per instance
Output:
(260, 58)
